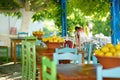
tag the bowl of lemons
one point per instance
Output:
(108, 55)
(53, 41)
(38, 34)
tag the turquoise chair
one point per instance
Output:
(88, 51)
(67, 54)
(106, 73)
(20, 35)
(48, 69)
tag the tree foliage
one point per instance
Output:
(77, 10)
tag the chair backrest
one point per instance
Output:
(48, 69)
(67, 54)
(28, 61)
(25, 60)
(31, 39)
(32, 61)
(88, 50)
(22, 34)
(106, 73)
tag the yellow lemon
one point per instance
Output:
(109, 45)
(117, 47)
(100, 53)
(117, 53)
(105, 49)
(108, 54)
(112, 50)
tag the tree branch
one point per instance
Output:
(20, 3)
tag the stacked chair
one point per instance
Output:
(67, 54)
(29, 67)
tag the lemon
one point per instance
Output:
(117, 47)
(97, 51)
(112, 50)
(117, 53)
(105, 49)
(109, 45)
(108, 54)
(100, 53)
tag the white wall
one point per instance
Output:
(7, 22)
(4, 24)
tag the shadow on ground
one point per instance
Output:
(10, 71)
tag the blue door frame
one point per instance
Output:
(115, 21)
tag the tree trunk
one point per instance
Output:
(26, 19)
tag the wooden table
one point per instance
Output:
(78, 72)
(13, 45)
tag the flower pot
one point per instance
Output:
(54, 44)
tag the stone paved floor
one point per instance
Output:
(10, 71)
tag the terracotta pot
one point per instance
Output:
(108, 62)
(54, 44)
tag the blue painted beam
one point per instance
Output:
(64, 20)
(115, 35)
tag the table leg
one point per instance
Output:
(15, 59)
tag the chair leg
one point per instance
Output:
(7, 55)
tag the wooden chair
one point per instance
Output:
(20, 35)
(31, 39)
(88, 50)
(25, 59)
(67, 54)
(68, 43)
(32, 61)
(106, 73)
(29, 67)
(48, 69)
